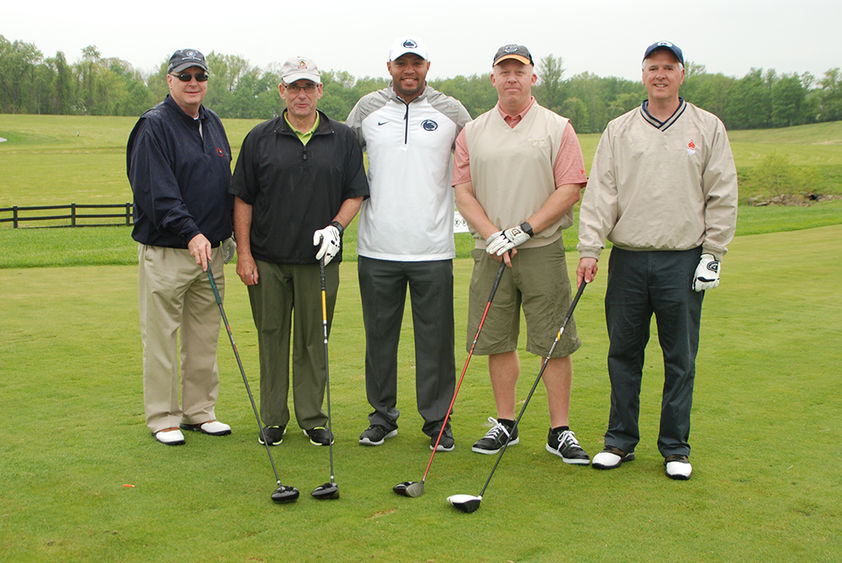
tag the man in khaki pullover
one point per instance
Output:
(518, 171)
(663, 190)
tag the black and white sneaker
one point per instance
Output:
(565, 445)
(274, 435)
(495, 439)
(446, 443)
(375, 435)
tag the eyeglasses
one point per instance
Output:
(308, 87)
(186, 77)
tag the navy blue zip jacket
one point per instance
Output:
(180, 178)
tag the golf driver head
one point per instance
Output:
(411, 489)
(285, 494)
(328, 491)
(465, 503)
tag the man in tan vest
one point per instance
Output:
(518, 172)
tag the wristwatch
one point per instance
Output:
(527, 228)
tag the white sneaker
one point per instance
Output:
(611, 457)
(170, 436)
(212, 427)
(678, 467)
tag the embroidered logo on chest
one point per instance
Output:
(691, 148)
(429, 125)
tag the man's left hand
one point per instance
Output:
(331, 242)
(509, 239)
(707, 273)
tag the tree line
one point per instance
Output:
(97, 85)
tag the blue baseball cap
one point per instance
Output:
(671, 47)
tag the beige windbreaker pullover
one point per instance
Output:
(661, 186)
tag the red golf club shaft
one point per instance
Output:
(465, 367)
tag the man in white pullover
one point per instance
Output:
(405, 238)
(663, 190)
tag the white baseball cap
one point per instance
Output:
(410, 44)
(298, 68)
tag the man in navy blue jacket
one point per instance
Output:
(179, 167)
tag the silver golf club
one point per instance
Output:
(282, 494)
(470, 503)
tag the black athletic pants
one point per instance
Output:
(383, 285)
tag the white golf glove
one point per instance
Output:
(707, 273)
(330, 240)
(502, 241)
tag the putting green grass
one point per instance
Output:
(765, 437)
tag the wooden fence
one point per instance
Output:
(72, 215)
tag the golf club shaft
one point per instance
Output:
(327, 370)
(242, 371)
(535, 385)
(465, 367)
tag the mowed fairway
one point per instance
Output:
(765, 439)
(81, 478)
(52, 160)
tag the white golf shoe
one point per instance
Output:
(211, 427)
(678, 467)
(611, 457)
(170, 436)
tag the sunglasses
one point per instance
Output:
(186, 77)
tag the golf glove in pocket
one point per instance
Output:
(707, 273)
(229, 248)
(330, 241)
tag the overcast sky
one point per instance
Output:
(604, 37)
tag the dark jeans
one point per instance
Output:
(640, 284)
(383, 285)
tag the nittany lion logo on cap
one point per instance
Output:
(410, 44)
(510, 48)
(429, 125)
(302, 64)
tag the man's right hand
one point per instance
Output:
(200, 249)
(586, 270)
(247, 269)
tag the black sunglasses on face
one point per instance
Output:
(186, 77)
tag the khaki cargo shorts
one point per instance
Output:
(538, 283)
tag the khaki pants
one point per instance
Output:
(176, 303)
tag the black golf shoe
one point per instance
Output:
(565, 445)
(319, 436)
(446, 443)
(495, 439)
(274, 435)
(375, 435)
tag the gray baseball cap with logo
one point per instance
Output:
(184, 59)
